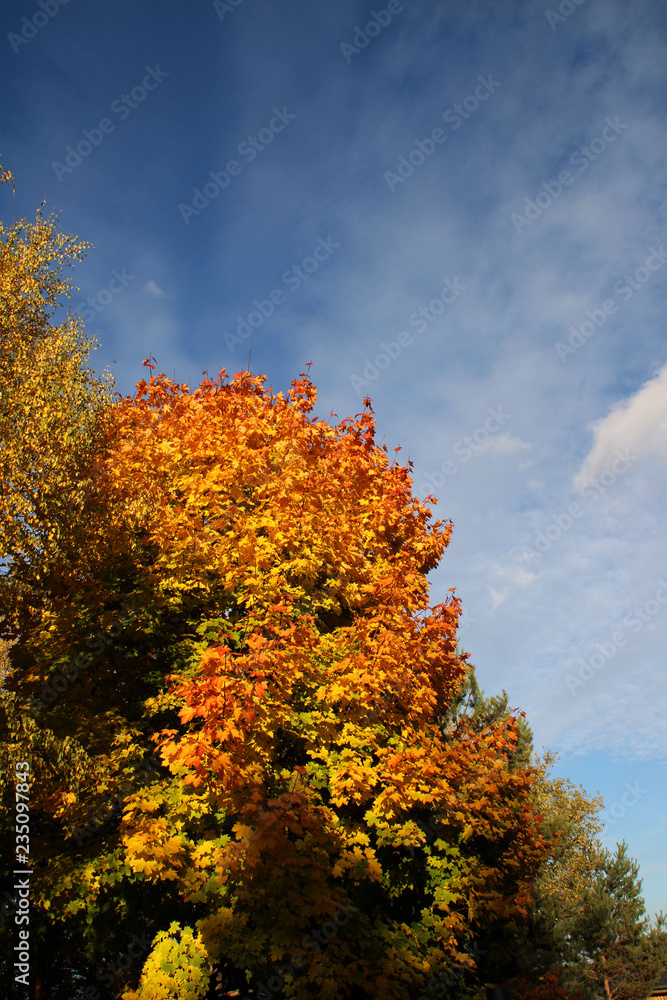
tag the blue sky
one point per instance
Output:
(455, 209)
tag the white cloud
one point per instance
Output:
(503, 444)
(637, 424)
(153, 289)
(498, 597)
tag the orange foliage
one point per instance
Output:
(310, 712)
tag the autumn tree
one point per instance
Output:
(283, 656)
(260, 761)
(51, 416)
(234, 695)
(586, 934)
(51, 421)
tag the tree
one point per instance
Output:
(586, 934)
(283, 656)
(573, 818)
(621, 955)
(51, 421)
(259, 759)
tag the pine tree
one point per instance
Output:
(621, 955)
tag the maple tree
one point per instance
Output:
(298, 693)
(260, 761)
(313, 707)
(253, 762)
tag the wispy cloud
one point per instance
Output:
(637, 424)
(153, 289)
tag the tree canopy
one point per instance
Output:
(259, 760)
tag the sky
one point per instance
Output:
(456, 209)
